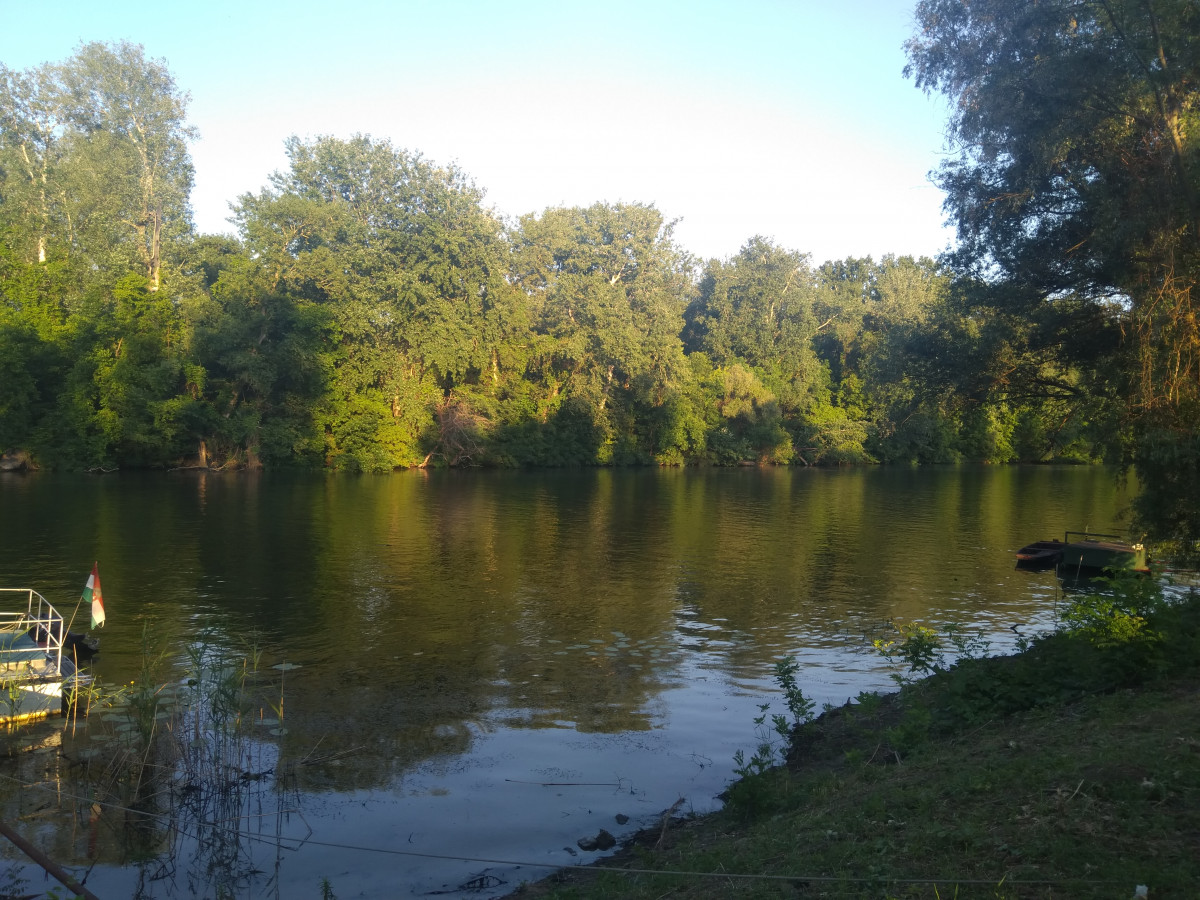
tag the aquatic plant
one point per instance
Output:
(175, 756)
(12, 698)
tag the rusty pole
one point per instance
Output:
(46, 863)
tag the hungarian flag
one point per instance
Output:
(91, 593)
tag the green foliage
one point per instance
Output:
(372, 314)
(1119, 633)
(1168, 465)
(753, 790)
(1119, 612)
(12, 882)
(1075, 189)
(759, 309)
(918, 647)
(94, 167)
(798, 705)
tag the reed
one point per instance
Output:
(177, 758)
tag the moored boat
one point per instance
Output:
(1040, 554)
(1087, 555)
(33, 666)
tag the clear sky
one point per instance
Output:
(786, 118)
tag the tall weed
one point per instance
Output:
(751, 792)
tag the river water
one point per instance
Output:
(460, 674)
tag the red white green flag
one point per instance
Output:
(91, 594)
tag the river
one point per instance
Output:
(488, 665)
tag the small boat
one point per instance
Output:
(33, 665)
(1087, 555)
(1040, 554)
(79, 648)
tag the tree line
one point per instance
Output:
(373, 313)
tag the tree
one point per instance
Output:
(767, 309)
(32, 120)
(94, 164)
(606, 286)
(875, 311)
(123, 106)
(257, 363)
(94, 182)
(410, 270)
(1078, 177)
(758, 307)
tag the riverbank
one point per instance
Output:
(1069, 770)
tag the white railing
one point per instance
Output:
(40, 620)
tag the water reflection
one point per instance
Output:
(451, 642)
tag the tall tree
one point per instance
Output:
(94, 164)
(874, 311)
(125, 107)
(411, 269)
(32, 122)
(257, 362)
(607, 286)
(1078, 174)
(94, 181)
(759, 309)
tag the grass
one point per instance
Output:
(1071, 770)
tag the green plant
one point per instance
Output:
(764, 754)
(869, 701)
(1118, 613)
(967, 646)
(13, 698)
(12, 882)
(918, 647)
(924, 651)
(179, 745)
(798, 705)
(145, 692)
(912, 730)
(780, 730)
(751, 791)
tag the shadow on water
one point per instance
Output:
(495, 664)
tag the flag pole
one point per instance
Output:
(78, 602)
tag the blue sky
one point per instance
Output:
(787, 119)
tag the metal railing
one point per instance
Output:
(40, 620)
(1096, 537)
(1092, 536)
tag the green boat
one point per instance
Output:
(1086, 554)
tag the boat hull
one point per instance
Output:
(1040, 555)
(24, 701)
(1100, 555)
